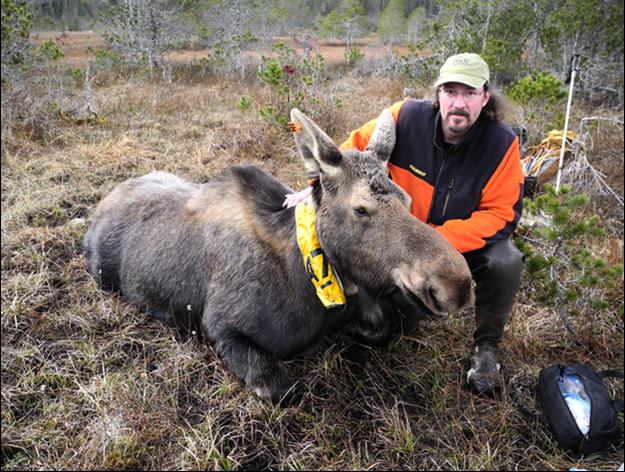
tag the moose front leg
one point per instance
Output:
(265, 374)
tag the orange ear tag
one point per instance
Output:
(294, 127)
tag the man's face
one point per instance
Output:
(460, 106)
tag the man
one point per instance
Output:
(462, 168)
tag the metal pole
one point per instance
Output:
(574, 68)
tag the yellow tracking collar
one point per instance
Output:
(326, 281)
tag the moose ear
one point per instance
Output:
(318, 151)
(382, 141)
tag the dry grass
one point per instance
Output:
(89, 382)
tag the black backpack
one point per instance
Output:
(602, 425)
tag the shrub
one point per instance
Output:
(540, 87)
(415, 69)
(17, 20)
(293, 82)
(562, 271)
(50, 50)
(353, 55)
(541, 98)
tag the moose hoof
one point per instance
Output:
(278, 390)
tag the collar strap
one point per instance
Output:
(322, 275)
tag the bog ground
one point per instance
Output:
(89, 382)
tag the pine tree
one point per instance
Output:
(562, 271)
(392, 22)
(17, 21)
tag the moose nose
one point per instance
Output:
(467, 296)
(453, 294)
(435, 303)
(462, 292)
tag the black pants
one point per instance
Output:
(496, 270)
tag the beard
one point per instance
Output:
(458, 129)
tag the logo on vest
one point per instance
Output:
(416, 171)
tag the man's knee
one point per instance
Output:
(503, 259)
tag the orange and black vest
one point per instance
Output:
(471, 192)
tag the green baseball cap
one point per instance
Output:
(466, 68)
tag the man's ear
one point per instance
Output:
(382, 141)
(318, 151)
(485, 98)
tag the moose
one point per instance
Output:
(225, 257)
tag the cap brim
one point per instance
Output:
(471, 81)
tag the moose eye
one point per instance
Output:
(361, 212)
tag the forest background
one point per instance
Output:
(95, 92)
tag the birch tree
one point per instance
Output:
(416, 24)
